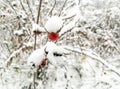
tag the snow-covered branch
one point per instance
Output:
(95, 57)
(71, 24)
(9, 60)
(67, 28)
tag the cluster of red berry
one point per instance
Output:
(52, 32)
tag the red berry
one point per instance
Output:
(53, 36)
(43, 63)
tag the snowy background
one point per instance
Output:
(86, 54)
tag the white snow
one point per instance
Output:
(85, 2)
(36, 2)
(71, 25)
(54, 24)
(76, 29)
(5, 42)
(18, 32)
(36, 27)
(36, 57)
(71, 12)
(14, 3)
(29, 44)
(52, 48)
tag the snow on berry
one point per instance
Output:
(56, 54)
(54, 24)
(52, 47)
(36, 57)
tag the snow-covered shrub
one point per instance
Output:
(83, 56)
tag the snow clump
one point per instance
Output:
(54, 24)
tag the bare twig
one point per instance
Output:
(65, 32)
(8, 48)
(50, 12)
(23, 8)
(84, 34)
(116, 47)
(30, 10)
(12, 7)
(35, 41)
(67, 28)
(62, 7)
(68, 17)
(38, 16)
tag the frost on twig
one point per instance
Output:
(63, 7)
(95, 57)
(51, 10)
(10, 58)
(71, 24)
(37, 28)
(67, 28)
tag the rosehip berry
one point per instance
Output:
(43, 63)
(53, 36)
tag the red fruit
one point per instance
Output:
(53, 36)
(43, 63)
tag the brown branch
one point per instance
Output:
(35, 41)
(40, 3)
(38, 16)
(84, 34)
